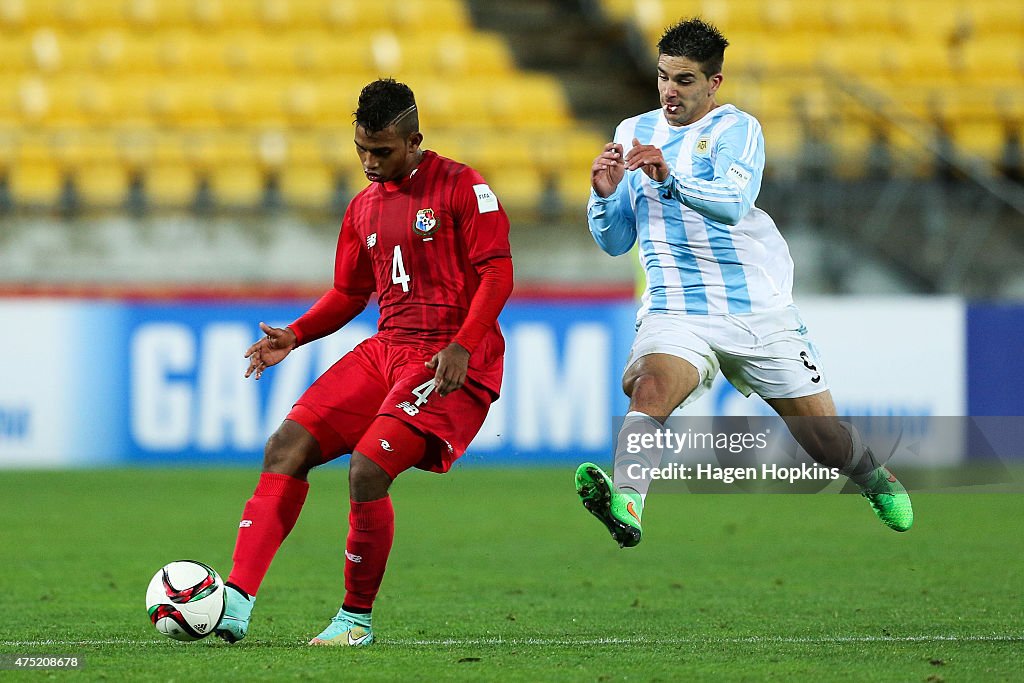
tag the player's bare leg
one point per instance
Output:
(656, 383)
(814, 424)
(267, 519)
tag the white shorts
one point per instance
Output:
(767, 353)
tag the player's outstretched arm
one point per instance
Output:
(277, 343)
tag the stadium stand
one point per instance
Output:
(241, 98)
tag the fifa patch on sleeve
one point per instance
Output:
(739, 176)
(486, 201)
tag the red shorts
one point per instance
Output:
(377, 378)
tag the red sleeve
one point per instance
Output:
(353, 273)
(490, 297)
(353, 284)
(481, 218)
(329, 314)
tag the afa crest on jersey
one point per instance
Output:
(426, 222)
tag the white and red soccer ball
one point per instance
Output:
(186, 600)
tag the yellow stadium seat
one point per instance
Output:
(511, 151)
(320, 53)
(541, 96)
(994, 17)
(516, 188)
(356, 15)
(306, 186)
(27, 14)
(451, 143)
(250, 105)
(35, 184)
(224, 14)
(429, 16)
(787, 16)
(257, 54)
(170, 185)
(851, 143)
(863, 16)
(237, 185)
(993, 59)
(150, 14)
(102, 185)
(450, 104)
(91, 14)
(983, 139)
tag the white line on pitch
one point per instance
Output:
(638, 640)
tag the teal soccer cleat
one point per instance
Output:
(347, 630)
(235, 623)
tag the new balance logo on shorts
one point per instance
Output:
(245, 524)
(385, 445)
(409, 408)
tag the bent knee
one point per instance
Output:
(291, 450)
(366, 479)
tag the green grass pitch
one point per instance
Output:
(500, 575)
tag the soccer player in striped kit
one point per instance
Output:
(681, 182)
(430, 238)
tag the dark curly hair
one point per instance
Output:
(697, 40)
(387, 102)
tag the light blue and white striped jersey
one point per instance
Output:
(706, 249)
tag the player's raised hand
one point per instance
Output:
(607, 171)
(648, 159)
(269, 350)
(450, 365)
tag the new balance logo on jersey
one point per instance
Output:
(245, 524)
(353, 558)
(371, 240)
(385, 445)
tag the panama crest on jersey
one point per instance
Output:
(425, 223)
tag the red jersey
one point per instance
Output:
(417, 242)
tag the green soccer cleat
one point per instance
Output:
(238, 609)
(347, 630)
(889, 499)
(619, 512)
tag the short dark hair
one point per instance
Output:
(697, 40)
(387, 102)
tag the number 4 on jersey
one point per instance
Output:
(398, 274)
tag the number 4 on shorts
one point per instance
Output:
(422, 392)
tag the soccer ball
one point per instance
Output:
(186, 600)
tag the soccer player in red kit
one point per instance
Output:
(431, 239)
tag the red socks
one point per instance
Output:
(371, 529)
(267, 519)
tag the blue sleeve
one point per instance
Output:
(612, 220)
(739, 167)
